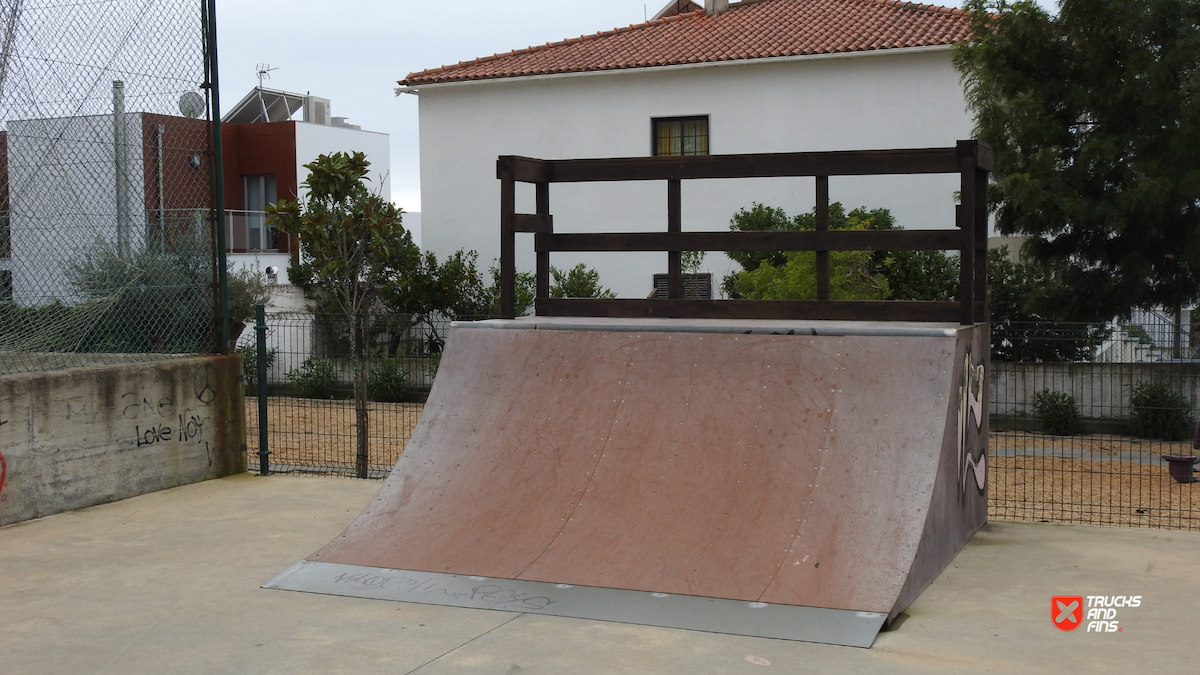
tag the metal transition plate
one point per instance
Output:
(754, 619)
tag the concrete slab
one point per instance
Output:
(169, 582)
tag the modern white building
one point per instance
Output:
(749, 77)
(265, 151)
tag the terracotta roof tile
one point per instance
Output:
(752, 29)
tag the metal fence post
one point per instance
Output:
(260, 329)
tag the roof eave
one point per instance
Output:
(415, 88)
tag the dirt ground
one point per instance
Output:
(317, 436)
(319, 433)
(1063, 490)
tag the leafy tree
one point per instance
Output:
(1020, 332)
(578, 282)
(851, 277)
(525, 289)
(247, 288)
(350, 238)
(759, 218)
(906, 275)
(1094, 116)
(430, 291)
(453, 288)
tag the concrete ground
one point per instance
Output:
(169, 583)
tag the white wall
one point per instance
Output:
(896, 100)
(317, 139)
(62, 191)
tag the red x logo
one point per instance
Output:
(1066, 612)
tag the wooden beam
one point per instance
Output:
(804, 240)
(523, 169)
(967, 215)
(508, 245)
(545, 225)
(525, 222)
(845, 163)
(822, 225)
(674, 226)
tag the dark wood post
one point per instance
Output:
(822, 213)
(543, 257)
(674, 224)
(508, 241)
(981, 246)
(967, 213)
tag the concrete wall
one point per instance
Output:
(1101, 390)
(75, 438)
(896, 99)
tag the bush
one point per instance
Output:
(388, 381)
(249, 354)
(1160, 412)
(158, 296)
(1056, 412)
(315, 378)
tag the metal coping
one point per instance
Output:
(688, 612)
(719, 326)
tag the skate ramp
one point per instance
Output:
(801, 480)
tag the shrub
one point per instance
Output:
(249, 354)
(1056, 412)
(1160, 412)
(315, 378)
(388, 381)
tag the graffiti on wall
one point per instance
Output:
(3, 465)
(970, 424)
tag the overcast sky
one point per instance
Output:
(353, 52)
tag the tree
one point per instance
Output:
(899, 275)
(1020, 332)
(350, 238)
(428, 291)
(578, 282)
(525, 289)
(154, 298)
(1094, 116)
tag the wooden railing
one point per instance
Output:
(972, 160)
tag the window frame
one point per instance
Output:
(654, 126)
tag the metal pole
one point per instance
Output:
(260, 329)
(214, 88)
(121, 168)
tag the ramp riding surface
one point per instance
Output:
(802, 480)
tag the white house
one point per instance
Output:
(754, 76)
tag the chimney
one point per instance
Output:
(716, 6)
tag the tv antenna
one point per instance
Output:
(264, 72)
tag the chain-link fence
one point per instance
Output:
(310, 391)
(106, 182)
(1105, 437)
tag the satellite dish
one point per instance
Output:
(191, 104)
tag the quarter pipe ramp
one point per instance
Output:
(799, 480)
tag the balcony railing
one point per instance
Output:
(247, 231)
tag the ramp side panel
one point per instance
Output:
(958, 503)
